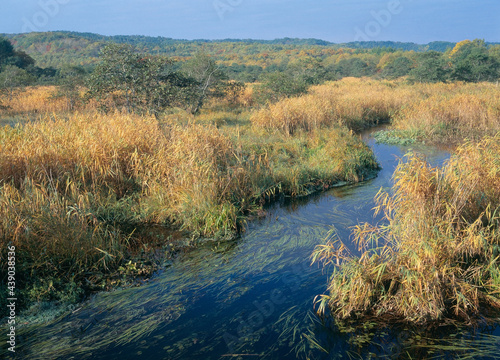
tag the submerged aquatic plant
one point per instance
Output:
(438, 255)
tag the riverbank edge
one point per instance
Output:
(151, 264)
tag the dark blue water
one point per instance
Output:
(250, 298)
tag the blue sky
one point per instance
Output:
(418, 21)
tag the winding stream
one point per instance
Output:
(252, 297)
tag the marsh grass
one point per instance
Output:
(452, 112)
(38, 99)
(74, 186)
(437, 256)
(354, 103)
(435, 112)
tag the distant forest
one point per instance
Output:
(62, 48)
(46, 57)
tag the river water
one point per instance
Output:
(250, 298)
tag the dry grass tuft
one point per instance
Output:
(355, 103)
(439, 112)
(453, 111)
(34, 100)
(438, 256)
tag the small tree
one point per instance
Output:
(278, 85)
(310, 70)
(13, 78)
(208, 77)
(431, 68)
(125, 78)
(71, 82)
(9, 56)
(21, 60)
(116, 78)
(6, 51)
(401, 66)
(471, 62)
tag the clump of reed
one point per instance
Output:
(64, 184)
(437, 257)
(310, 160)
(452, 112)
(190, 178)
(57, 236)
(39, 99)
(439, 112)
(355, 103)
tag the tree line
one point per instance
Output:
(139, 81)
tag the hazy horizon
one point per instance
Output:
(237, 39)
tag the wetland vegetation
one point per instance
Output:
(108, 171)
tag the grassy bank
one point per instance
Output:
(439, 112)
(437, 257)
(74, 187)
(451, 112)
(351, 102)
(417, 112)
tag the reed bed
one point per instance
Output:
(438, 112)
(355, 103)
(453, 112)
(437, 257)
(176, 167)
(39, 99)
(73, 187)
